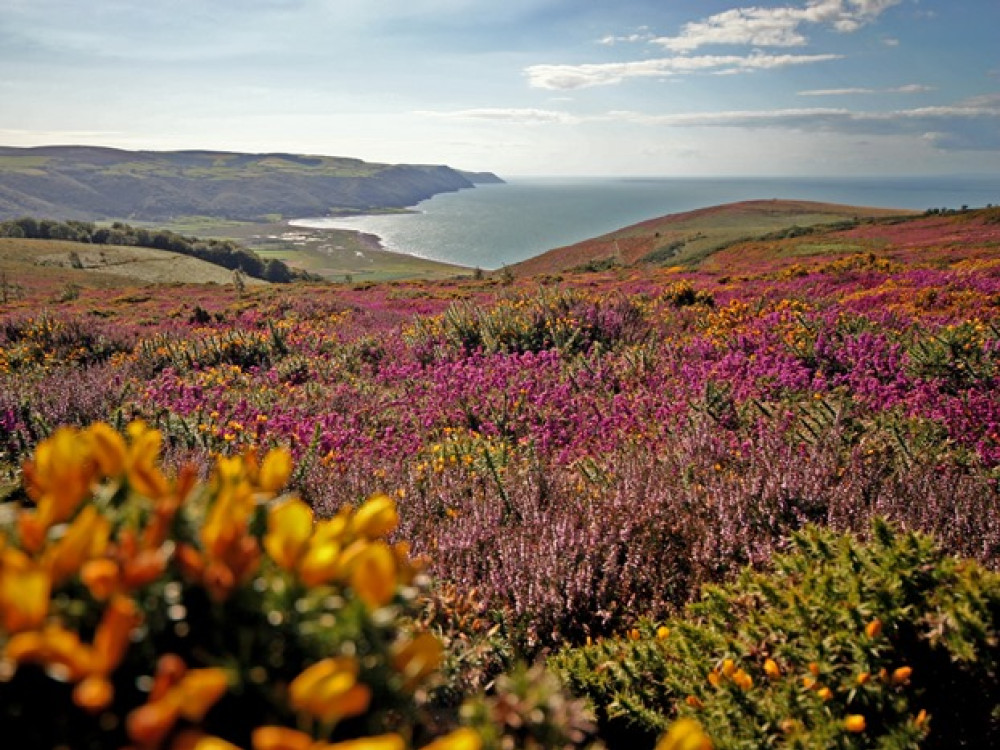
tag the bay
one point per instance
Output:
(495, 225)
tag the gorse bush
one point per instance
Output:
(551, 319)
(156, 613)
(889, 644)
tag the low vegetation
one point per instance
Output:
(222, 253)
(716, 502)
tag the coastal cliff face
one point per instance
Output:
(79, 182)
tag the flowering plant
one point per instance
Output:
(152, 612)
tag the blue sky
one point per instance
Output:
(624, 87)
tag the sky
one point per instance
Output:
(519, 87)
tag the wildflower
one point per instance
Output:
(192, 739)
(86, 538)
(144, 449)
(685, 734)
(376, 518)
(190, 698)
(874, 628)
(714, 678)
(771, 669)
(329, 690)
(280, 738)
(863, 678)
(901, 675)
(824, 694)
(460, 739)
(633, 634)
(94, 693)
(728, 667)
(921, 718)
(373, 574)
(275, 470)
(108, 448)
(417, 659)
(662, 633)
(694, 702)
(289, 528)
(742, 680)
(379, 742)
(854, 723)
(60, 475)
(24, 592)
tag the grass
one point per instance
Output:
(334, 254)
(687, 239)
(91, 266)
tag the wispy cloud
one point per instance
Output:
(910, 88)
(775, 27)
(973, 124)
(522, 115)
(642, 34)
(565, 77)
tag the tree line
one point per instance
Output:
(225, 253)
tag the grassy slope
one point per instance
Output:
(334, 254)
(47, 264)
(687, 238)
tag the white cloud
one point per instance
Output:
(973, 124)
(910, 88)
(564, 77)
(526, 116)
(641, 35)
(775, 27)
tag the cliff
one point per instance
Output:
(83, 182)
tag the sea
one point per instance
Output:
(491, 226)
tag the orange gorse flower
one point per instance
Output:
(771, 669)
(854, 723)
(901, 675)
(874, 628)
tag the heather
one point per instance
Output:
(573, 453)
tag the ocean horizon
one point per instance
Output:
(491, 226)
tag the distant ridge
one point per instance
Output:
(90, 182)
(686, 238)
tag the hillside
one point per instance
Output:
(82, 182)
(686, 238)
(53, 266)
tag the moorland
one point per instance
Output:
(740, 481)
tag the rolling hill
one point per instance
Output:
(83, 182)
(687, 238)
(49, 266)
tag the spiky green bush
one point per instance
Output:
(890, 643)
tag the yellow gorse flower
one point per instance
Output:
(771, 669)
(685, 734)
(329, 690)
(376, 518)
(379, 742)
(289, 529)
(854, 723)
(25, 587)
(416, 659)
(460, 739)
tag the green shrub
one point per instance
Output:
(888, 644)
